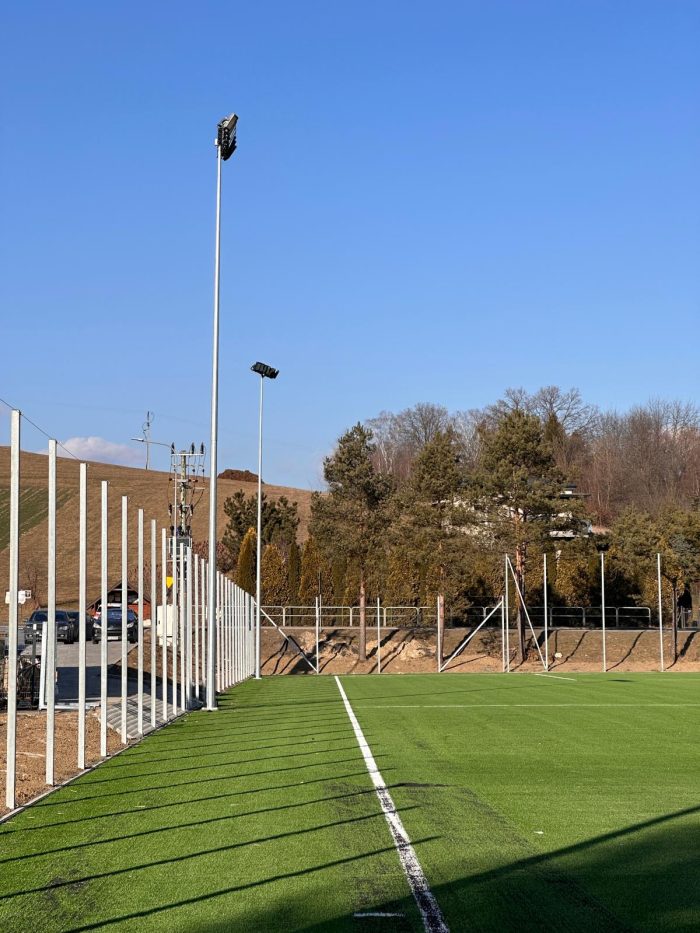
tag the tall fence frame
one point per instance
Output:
(178, 626)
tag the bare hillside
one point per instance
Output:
(150, 490)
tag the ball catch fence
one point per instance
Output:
(172, 608)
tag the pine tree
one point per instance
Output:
(310, 570)
(279, 520)
(348, 519)
(273, 577)
(516, 492)
(293, 572)
(430, 517)
(245, 569)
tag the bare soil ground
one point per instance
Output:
(31, 751)
(405, 651)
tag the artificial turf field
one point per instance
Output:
(533, 803)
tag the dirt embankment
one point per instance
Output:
(404, 651)
(31, 751)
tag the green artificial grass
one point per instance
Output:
(533, 803)
(552, 804)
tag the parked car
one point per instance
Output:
(114, 624)
(66, 628)
(89, 623)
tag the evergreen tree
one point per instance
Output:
(314, 574)
(280, 520)
(517, 491)
(339, 568)
(402, 581)
(349, 518)
(274, 585)
(430, 519)
(245, 568)
(293, 572)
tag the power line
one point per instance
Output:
(40, 430)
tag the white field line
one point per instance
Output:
(522, 705)
(556, 676)
(433, 921)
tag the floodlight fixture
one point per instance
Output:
(262, 369)
(226, 136)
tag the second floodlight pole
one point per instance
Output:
(269, 372)
(258, 537)
(225, 146)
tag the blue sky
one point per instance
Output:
(430, 202)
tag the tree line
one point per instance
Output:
(421, 506)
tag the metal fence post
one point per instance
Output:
(82, 610)
(174, 626)
(103, 622)
(139, 649)
(154, 625)
(195, 631)
(13, 616)
(188, 620)
(125, 603)
(661, 625)
(164, 621)
(318, 623)
(602, 607)
(546, 627)
(204, 624)
(216, 621)
(51, 627)
(182, 630)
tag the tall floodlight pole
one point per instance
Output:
(225, 147)
(269, 372)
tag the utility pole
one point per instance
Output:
(186, 472)
(147, 435)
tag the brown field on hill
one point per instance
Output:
(150, 490)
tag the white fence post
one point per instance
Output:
(164, 620)
(174, 626)
(546, 621)
(125, 604)
(196, 625)
(13, 615)
(139, 649)
(103, 623)
(661, 625)
(51, 627)
(602, 608)
(154, 625)
(82, 611)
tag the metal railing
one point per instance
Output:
(349, 616)
(623, 617)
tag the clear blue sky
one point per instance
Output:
(430, 202)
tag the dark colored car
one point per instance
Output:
(66, 628)
(114, 624)
(75, 618)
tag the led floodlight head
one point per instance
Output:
(226, 136)
(262, 369)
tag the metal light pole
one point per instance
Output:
(263, 370)
(225, 146)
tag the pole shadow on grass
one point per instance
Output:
(8, 830)
(187, 856)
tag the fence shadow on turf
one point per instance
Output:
(643, 876)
